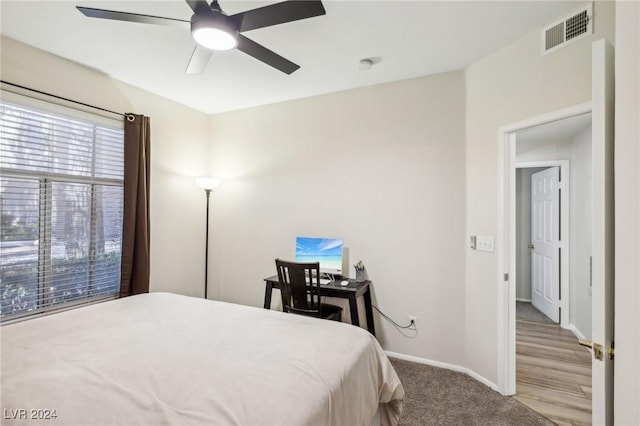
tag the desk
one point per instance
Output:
(350, 291)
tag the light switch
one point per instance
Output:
(485, 244)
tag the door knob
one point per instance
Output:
(531, 246)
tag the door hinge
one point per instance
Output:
(506, 276)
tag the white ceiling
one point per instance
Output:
(406, 39)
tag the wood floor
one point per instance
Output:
(553, 373)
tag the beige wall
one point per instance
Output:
(513, 84)
(179, 139)
(627, 181)
(380, 167)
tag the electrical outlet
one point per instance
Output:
(414, 322)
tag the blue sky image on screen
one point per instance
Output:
(327, 251)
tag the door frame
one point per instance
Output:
(506, 236)
(564, 232)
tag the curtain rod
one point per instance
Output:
(64, 99)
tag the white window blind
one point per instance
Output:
(61, 205)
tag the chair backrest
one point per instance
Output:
(300, 287)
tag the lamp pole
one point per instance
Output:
(206, 247)
(207, 183)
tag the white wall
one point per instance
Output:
(511, 85)
(627, 181)
(577, 150)
(380, 167)
(178, 141)
(580, 234)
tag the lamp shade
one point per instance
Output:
(208, 182)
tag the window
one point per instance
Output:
(61, 204)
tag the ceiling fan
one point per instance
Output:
(212, 29)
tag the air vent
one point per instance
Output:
(571, 28)
(554, 36)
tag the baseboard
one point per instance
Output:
(523, 300)
(445, 365)
(575, 331)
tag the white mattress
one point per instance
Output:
(161, 358)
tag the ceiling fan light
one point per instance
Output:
(214, 38)
(213, 32)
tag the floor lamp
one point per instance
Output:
(207, 183)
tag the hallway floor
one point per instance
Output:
(553, 373)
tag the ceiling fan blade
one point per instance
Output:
(199, 7)
(265, 55)
(278, 13)
(199, 60)
(130, 17)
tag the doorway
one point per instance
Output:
(530, 152)
(542, 256)
(563, 144)
(553, 245)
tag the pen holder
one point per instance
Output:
(359, 275)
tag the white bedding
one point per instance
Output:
(161, 358)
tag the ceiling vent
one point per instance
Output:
(573, 27)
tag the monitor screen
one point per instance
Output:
(327, 251)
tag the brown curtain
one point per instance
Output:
(135, 230)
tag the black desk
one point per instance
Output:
(350, 291)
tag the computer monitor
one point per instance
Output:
(327, 251)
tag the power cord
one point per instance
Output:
(411, 326)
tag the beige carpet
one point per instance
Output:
(435, 396)
(525, 311)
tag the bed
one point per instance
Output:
(162, 358)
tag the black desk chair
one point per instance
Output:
(300, 290)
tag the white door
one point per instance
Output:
(602, 230)
(545, 242)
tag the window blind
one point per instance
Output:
(61, 205)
